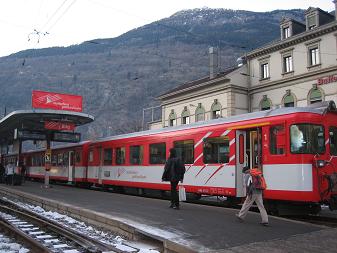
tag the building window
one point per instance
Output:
(157, 153)
(216, 109)
(311, 22)
(265, 104)
(313, 56)
(288, 100)
(265, 71)
(199, 113)
(172, 118)
(287, 64)
(185, 116)
(315, 96)
(286, 32)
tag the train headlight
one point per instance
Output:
(320, 163)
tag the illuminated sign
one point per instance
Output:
(56, 125)
(56, 101)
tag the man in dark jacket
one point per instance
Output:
(174, 171)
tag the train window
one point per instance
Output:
(157, 153)
(78, 157)
(216, 150)
(333, 140)
(277, 140)
(66, 159)
(120, 155)
(54, 160)
(108, 156)
(60, 159)
(91, 155)
(307, 139)
(185, 150)
(136, 154)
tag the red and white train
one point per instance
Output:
(296, 148)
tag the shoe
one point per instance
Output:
(266, 224)
(239, 218)
(176, 207)
(171, 206)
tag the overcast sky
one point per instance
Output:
(25, 23)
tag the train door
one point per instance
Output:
(240, 140)
(100, 165)
(255, 149)
(71, 166)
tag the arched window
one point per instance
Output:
(185, 116)
(315, 95)
(265, 103)
(199, 113)
(288, 100)
(172, 118)
(216, 109)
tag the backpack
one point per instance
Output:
(258, 181)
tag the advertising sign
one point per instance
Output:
(56, 101)
(58, 125)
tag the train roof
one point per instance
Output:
(319, 108)
(68, 145)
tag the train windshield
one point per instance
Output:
(307, 139)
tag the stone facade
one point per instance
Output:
(297, 70)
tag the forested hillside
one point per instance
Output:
(118, 77)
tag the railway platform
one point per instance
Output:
(193, 228)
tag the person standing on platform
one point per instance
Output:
(255, 187)
(9, 173)
(174, 171)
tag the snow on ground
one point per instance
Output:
(8, 245)
(81, 227)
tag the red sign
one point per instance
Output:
(326, 80)
(57, 101)
(56, 125)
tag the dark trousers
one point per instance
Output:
(174, 193)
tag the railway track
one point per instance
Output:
(43, 235)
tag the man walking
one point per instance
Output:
(174, 171)
(255, 187)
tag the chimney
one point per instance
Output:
(335, 2)
(213, 62)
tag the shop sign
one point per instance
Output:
(326, 80)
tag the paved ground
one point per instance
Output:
(204, 228)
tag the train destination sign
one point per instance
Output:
(29, 135)
(66, 137)
(56, 101)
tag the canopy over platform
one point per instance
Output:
(35, 119)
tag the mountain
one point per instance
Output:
(118, 77)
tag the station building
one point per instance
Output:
(297, 70)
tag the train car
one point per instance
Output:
(296, 148)
(68, 163)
